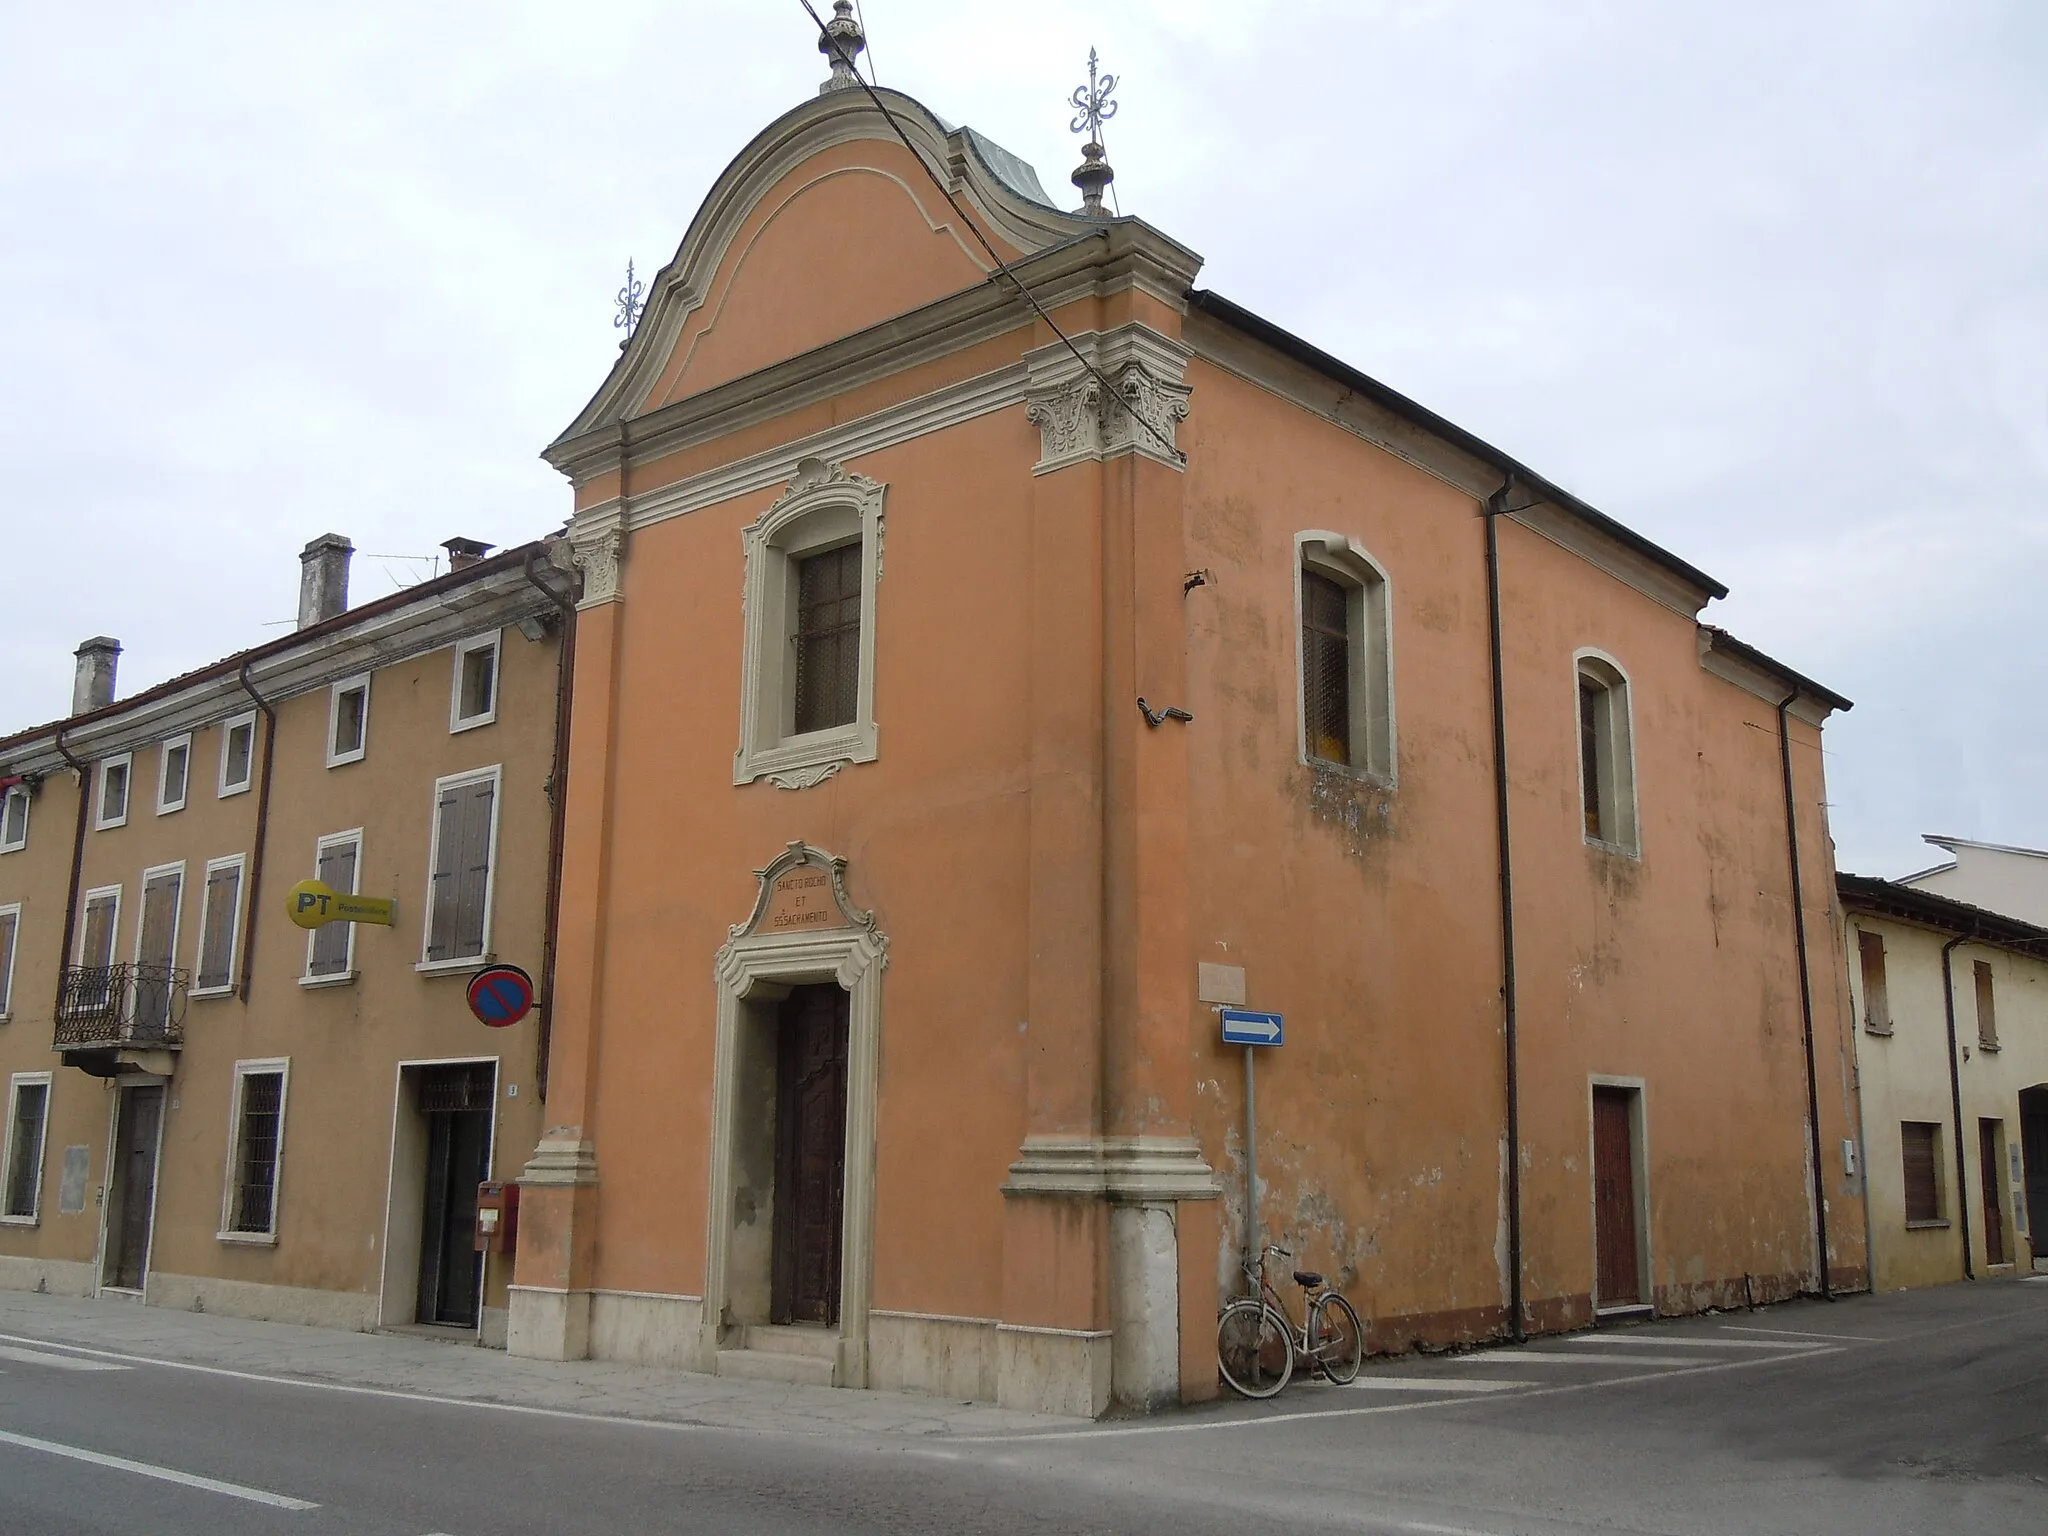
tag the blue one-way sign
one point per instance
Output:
(1243, 1027)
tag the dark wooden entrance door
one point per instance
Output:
(1993, 1177)
(2034, 1151)
(1614, 1198)
(810, 1154)
(133, 1196)
(458, 1159)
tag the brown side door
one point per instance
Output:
(1614, 1199)
(1994, 1208)
(810, 1154)
(134, 1192)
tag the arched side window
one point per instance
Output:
(1607, 766)
(1345, 657)
(807, 696)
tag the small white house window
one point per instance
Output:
(474, 696)
(14, 820)
(348, 720)
(21, 1156)
(1345, 657)
(255, 1152)
(331, 950)
(220, 928)
(237, 754)
(464, 849)
(807, 696)
(174, 770)
(113, 802)
(1607, 775)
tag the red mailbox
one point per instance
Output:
(497, 1217)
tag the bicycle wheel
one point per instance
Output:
(1254, 1349)
(1336, 1340)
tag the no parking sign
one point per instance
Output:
(501, 995)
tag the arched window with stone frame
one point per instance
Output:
(1607, 765)
(807, 698)
(1345, 663)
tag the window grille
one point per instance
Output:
(828, 639)
(256, 1166)
(464, 1086)
(1326, 667)
(25, 1148)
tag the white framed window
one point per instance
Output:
(112, 807)
(173, 774)
(1607, 763)
(10, 932)
(21, 1158)
(14, 819)
(1345, 657)
(807, 694)
(473, 695)
(348, 720)
(237, 754)
(220, 927)
(464, 843)
(331, 951)
(248, 1206)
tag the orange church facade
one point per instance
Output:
(961, 717)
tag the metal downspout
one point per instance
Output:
(77, 865)
(1955, 1090)
(558, 801)
(1496, 504)
(1820, 1197)
(262, 829)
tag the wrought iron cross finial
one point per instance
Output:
(1092, 104)
(629, 305)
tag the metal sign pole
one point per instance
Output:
(1251, 1163)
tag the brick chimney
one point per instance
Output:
(465, 552)
(92, 686)
(323, 579)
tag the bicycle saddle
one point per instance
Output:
(1306, 1277)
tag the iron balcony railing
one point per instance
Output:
(110, 1007)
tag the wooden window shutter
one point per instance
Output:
(99, 933)
(217, 939)
(462, 871)
(1921, 1143)
(1877, 1010)
(1987, 1014)
(335, 868)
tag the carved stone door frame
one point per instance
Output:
(840, 945)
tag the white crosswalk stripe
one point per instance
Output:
(1622, 1340)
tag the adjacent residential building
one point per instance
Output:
(1995, 876)
(1951, 1007)
(208, 1106)
(995, 658)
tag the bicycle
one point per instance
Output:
(1257, 1344)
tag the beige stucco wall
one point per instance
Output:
(1905, 1077)
(344, 1043)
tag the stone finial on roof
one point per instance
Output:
(1092, 108)
(841, 44)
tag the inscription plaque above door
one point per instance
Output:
(803, 890)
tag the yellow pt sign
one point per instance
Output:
(313, 904)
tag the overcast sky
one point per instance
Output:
(1767, 280)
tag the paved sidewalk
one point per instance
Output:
(429, 1367)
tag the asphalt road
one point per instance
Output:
(1926, 1412)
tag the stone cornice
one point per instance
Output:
(1245, 357)
(1103, 262)
(384, 635)
(1134, 1169)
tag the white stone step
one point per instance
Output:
(768, 1338)
(773, 1365)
